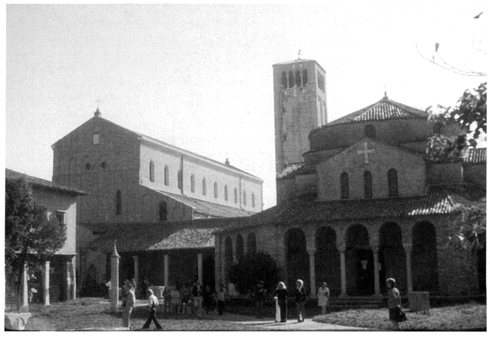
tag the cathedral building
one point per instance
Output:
(358, 200)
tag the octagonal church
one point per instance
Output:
(358, 201)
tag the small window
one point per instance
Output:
(235, 193)
(204, 186)
(291, 79)
(118, 202)
(162, 211)
(226, 193)
(103, 165)
(305, 78)
(297, 78)
(87, 166)
(253, 200)
(284, 80)
(152, 171)
(392, 183)
(61, 216)
(370, 131)
(244, 198)
(344, 186)
(165, 176)
(95, 138)
(193, 184)
(215, 189)
(321, 81)
(368, 185)
(179, 179)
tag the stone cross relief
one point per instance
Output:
(366, 153)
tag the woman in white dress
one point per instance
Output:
(323, 296)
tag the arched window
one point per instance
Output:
(344, 186)
(284, 80)
(305, 78)
(152, 171)
(253, 200)
(370, 131)
(368, 185)
(297, 78)
(215, 189)
(226, 192)
(244, 198)
(179, 179)
(235, 193)
(162, 211)
(165, 175)
(204, 186)
(291, 79)
(392, 183)
(193, 184)
(118, 202)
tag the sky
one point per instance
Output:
(199, 76)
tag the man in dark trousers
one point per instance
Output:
(260, 294)
(152, 309)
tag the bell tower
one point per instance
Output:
(299, 106)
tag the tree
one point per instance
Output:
(253, 268)
(470, 114)
(30, 236)
(470, 227)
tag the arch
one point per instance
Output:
(297, 78)
(179, 179)
(251, 244)
(425, 276)
(368, 184)
(284, 80)
(152, 171)
(359, 261)
(204, 186)
(193, 183)
(162, 211)
(226, 192)
(392, 256)
(166, 175)
(215, 189)
(392, 183)
(290, 79)
(118, 202)
(228, 256)
(297, 258)
(240, 249)
(327, 259)
(235, 193)
(91, 281)
(305, 78)
(370, 131)
(344, 185)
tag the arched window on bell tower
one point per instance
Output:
(284, 80)
(291, 79)
(344, 185)
(297, 78)
(305, 78)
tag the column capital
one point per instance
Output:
(341, 247)
(375, 248)
(311, 251)
(407, 247)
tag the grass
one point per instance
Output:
(466, 317)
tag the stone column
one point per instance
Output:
(375, 249)
(408, 254)
(46, 283)
(115, 279)
(199, 268)
(311, 252)
(343, 279)
(165, 270)
(25, 291)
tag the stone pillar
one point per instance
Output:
(114, 279)
(408, 255)
(375, 249)
(136, 261)
(165, 270)
(343, 279)
(199, 268)
(46, 283)
(311, 252)
(25, 291)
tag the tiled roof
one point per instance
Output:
(40, 183)
(476, 156)
(384, 109)
(207, 208)
(440, 200)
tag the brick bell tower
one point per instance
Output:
(299, 106)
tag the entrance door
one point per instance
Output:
(365, 272)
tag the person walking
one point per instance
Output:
(152, 310)
(323, 296)
(221, 298)
(394, 304)
(281, 295)
(129, 299)
(259, 295)
(300, 297)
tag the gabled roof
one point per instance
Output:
(384, 109)
(440, 200)
(207, 208)
(36, 182)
